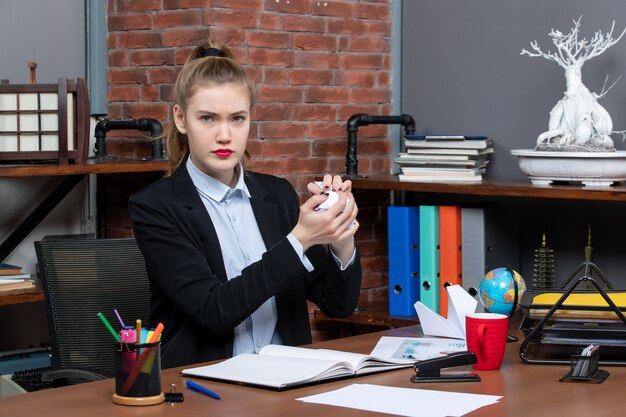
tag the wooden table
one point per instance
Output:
(527, 390)
(373, 314)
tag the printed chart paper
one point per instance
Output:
(416, 348)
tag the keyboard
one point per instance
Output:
(30, 379)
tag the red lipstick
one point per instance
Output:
(223, 153)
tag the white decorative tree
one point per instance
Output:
(577, 122)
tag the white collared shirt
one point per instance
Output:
(242, 244)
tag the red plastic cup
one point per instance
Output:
(486, 337)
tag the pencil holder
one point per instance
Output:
(585, 368)
(138, 374)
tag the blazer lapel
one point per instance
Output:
(200, 221)
(265, 211)
(273, 229)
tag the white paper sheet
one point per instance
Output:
(403, 401)
(416, 348)
(460, 304)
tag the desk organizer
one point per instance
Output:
(585, 368)
(44, 121)
(556, 326)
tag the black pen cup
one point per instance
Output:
(585, 368)
(138, 374)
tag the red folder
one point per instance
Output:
(449, 253)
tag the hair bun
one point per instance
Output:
(213, 52)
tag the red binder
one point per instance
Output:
(449, 253)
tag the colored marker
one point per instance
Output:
(147, 366)
(118, 317)
(142, 359)
(128, 335)
(108, 326)
(138, 330)
(202, 390)
(156, 335)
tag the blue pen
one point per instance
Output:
(199, 388)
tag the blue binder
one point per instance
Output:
(429, 256)
(403, 233)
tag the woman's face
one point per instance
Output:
(217, 123)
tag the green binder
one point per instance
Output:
(429, 256)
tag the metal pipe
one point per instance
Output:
(145, 125)
(362, 119)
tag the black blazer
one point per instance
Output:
(190, 293)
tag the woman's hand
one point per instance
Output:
(335, 226)
(330, 183)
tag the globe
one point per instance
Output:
(497, 290)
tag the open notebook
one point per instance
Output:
(280, 367)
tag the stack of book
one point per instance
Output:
(444, 158)
(12, 278)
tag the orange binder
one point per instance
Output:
(449, 253)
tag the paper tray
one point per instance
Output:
(584, 305)
(576, 333)
(583, 318)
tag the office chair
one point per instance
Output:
(81, 278)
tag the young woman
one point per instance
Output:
(232, 259)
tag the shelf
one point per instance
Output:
(378, 314)
(73, 174)
(29, 295)
(500, 188)
(375, 314)
(108, 166)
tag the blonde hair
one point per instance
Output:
(207, 64)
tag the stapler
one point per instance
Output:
(429, 370)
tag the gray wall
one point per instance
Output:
(50, 33)
(462, 71)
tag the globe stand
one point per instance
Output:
(514, 304)
(509, 337)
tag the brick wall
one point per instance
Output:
(315, 63)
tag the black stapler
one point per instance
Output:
(429, 370)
